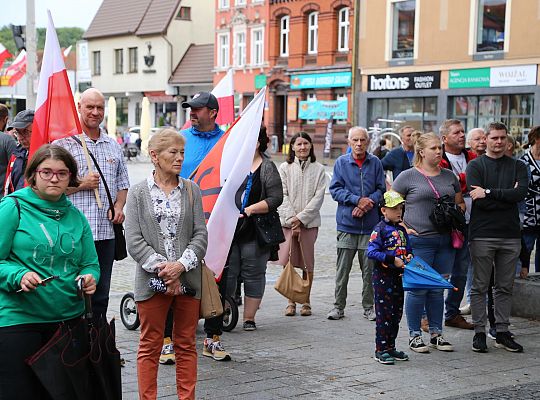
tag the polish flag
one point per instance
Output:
(224, 93)
(56, 116)
(15, 71)
(220, 176)
(4, 54)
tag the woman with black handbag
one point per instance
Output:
(422, 187)
(258, 232)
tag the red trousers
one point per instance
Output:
(152, 314)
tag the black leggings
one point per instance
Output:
(17, 343)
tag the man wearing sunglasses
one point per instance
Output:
(17, 164)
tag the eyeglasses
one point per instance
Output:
(47, 174)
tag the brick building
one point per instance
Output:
(310, 77)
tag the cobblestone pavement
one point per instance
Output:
(314, 358)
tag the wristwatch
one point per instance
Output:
(487, 192)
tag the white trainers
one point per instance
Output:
(336, 314)
(370, 314)
(465, 310)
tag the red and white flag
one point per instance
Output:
(56, 116)
(15, 71)
(4, 54)
(224, 92)
(220, 176)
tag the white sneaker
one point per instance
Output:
(370, 314)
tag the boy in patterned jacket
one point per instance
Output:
(389, 247)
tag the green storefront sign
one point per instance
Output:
(468, 78)
(260, 81)
(320, 81)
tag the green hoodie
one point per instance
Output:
(50, 238)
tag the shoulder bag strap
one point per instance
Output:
(111, 207)
(430, 183)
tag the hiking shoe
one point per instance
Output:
(336, 314)
(505, 341)
(457, 321)
(438, 342)
(492, 334)
(479, 343)
(398, 355)
(465, 310)
(384, 358)
(212, 347)
(417, 344)
(370, 314)
(167, 352)
(424, 325)
(249, 326)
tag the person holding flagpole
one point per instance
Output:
(110, 159)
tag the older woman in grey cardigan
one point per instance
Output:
(167, 237)
(247, 257)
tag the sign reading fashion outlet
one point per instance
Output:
(323, 109)
(409, 81)
(320, 81)
(518, 75)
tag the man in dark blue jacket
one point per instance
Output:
(401, 158)
(357, 185)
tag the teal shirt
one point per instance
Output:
(50, 238)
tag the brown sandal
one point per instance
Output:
(306, 310)
(290, 311)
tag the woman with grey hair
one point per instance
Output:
(167, 237)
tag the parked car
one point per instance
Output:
(135, 132)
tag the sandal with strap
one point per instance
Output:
(306, 310)
(290, 311)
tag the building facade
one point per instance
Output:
(241, 43)
(422, 61)
(135, 51)
(310, 80)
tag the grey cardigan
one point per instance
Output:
(143, 235)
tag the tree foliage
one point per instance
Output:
(66, 37)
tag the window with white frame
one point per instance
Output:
(240, 2)
(490, 25)
(118, 61)
(343, 29)
(311, 97)
(313, 31)
(403, 15)
(96, 58)
(257, 46)
(223, 50)
(341, 97)
(284, 36)
(224, 4)
(240, 49)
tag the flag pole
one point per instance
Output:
(90, 169)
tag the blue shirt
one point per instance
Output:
(198, 145)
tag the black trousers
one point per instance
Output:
(212, 326)
(17, 343)
(100, 299)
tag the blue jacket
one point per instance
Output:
(349, 184)
(17, 172)
(396, 161)
(387, 242)
(198, 145)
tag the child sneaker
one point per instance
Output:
(438, 342)
(212, 347)
(384, 357)
(167, 352)
(398, 355)
(417, 345)
(505, 341)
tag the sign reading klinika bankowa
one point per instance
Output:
(405, 81)
(513, 75)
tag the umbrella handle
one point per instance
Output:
(88, 314)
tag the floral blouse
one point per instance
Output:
(167, 213)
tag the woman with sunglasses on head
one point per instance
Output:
(43, 236)
(304, 182)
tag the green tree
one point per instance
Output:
(6, 38)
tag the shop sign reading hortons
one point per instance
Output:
(407, 81)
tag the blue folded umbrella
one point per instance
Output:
(419, 275)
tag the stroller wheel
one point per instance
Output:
(128, 312)
(230, 314)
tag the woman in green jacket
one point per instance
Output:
(43, 235)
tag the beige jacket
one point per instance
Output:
(303, 193)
